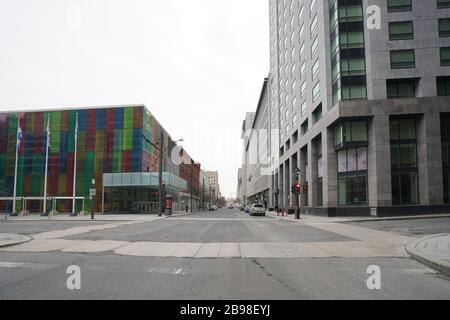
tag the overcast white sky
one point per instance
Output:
(198, 65)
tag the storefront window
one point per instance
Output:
(352, 177)
(445, 134)
(404, 164)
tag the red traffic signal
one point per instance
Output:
(305, 188)
(296, 188)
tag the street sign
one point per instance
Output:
(92, 192)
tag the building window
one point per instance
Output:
(351, 67)
(353, 92)
(351, 13)
(443, 86)
(351, 40)
(319, 173)
(405, 189)
(304, 108)
(304, 127)
(314, 46)
(302, 70)
(317, 113)
(401, 88)
(445, 133)
(441, 4)
(352, 177)
(313, 25)
(312, 6)
(399, 5)
(315, 69)
(445, 56)
(401, 30)
(303, 89)
(403, 59)
(316, 91)
(444, 27)
(350, 134)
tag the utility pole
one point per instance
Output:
(75, 165)
(19, 138)
(203, 196)
(46, 165)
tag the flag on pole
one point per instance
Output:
(19, 135)
(48, 134)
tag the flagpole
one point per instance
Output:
(46, 165)
(15, 172)
(75, 164)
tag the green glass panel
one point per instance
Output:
(342, 191)
(117, 161)
(128, 118)
(127, 139)
(118, 140)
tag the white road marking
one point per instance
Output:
(176, 271)
(11, 265)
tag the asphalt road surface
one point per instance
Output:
(108, 275)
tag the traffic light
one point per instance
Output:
(296, 188)
(305, 188)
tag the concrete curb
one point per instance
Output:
(428, 260)
(360, 220)
(424, 217)
(13, 239)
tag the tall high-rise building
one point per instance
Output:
(359, 91)
(213, 177)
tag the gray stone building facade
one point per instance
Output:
(359, 96)
(258, 160)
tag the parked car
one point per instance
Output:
(241, 207)
(215, 208)
(257, 210)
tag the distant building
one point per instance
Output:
(213, 177)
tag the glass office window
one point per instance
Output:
(401, 88)
(401, 30)
(441, 4)
(399, 5)
(403, 59)
(445, 56)
(444, 27)
(443, 86)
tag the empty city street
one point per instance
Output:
(224, 254)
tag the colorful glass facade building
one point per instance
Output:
(121, 142)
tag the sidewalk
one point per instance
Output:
(97, 217)
(433, 251)
(7, 239)
(318, 219)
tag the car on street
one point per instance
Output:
(257, 210)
